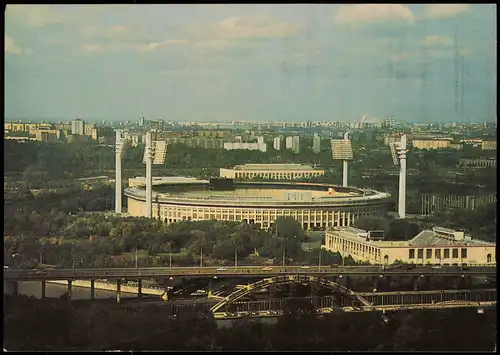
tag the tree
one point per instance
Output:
(401, 229)
(224, 250)
(288, 227)
(369, 223)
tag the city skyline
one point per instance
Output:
(419, 63)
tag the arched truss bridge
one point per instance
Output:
(288, 279)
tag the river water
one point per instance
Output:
(34, 288)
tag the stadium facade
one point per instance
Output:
(315, 206)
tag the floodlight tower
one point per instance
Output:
(398, 152)
(344, 171)
(149, 153)
(154, 153)
(342, 150)
(118, 172)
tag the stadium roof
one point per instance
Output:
(272, 167)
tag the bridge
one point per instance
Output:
(240, 271)
(294, 274)
(383, 301)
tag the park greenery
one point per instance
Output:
(394, 229)
(56, 324)
(51, 217)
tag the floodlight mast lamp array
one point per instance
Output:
(342, 150)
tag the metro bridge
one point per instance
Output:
(383, 301)
(270, 275)
(240, 271)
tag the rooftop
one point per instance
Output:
(429, 237)
(171, 179)
(272, 167)
(433, 237)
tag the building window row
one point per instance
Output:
(437, 253)
(275, 175)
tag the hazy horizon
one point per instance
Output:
(260, 62)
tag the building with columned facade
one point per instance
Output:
(438, 246)
(271, 171)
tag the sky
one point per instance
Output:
(255, 62)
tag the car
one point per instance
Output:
(41, 272)
(304, 267)
(5, 267)
(267, 268)
(222, 269)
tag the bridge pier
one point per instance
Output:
(118, 290)
(12, 286)
(70, 282)
(92, 289)
(43, 289)
(139, 288)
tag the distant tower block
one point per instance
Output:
(342, 150)
(398, 152)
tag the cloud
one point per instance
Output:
(93, 48)
(445, 10)
(118, 29)
(105, 33)
(215, 44)
(246, 28)
(13, 48)
(437, 41)
(373, 13)
(153, 45)
(398, 57)
(33, 15)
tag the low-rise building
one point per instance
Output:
(479, 162)
(47, 135)
(489, 145)
(440, 246)
(247, 146)
(271, 171)
(436, 143)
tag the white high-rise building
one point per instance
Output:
(316, 143)
(78, 127)
(293, 143)
(260, 140)
(277, 143)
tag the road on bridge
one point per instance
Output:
(240, 271)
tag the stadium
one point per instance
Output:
(316, 206)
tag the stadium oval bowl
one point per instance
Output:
(314, 205)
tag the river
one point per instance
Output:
(34, 288)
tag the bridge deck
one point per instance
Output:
(243, 271)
